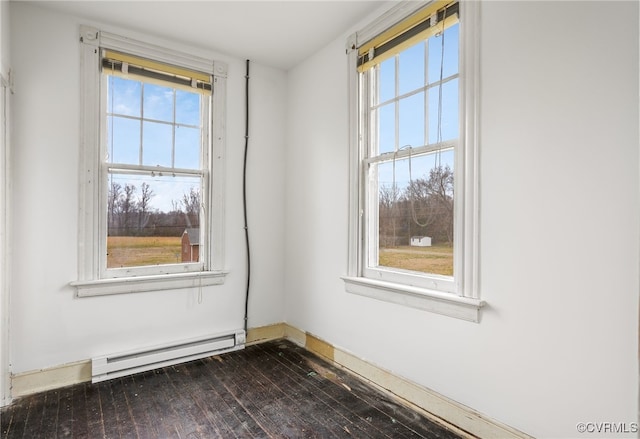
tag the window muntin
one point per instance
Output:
(410, 132)
(155, 166)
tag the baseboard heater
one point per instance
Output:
(127, 363)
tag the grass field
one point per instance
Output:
(131, 251)
(437, 259)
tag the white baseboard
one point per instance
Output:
(42, 380)
(466, 421)
(265, 333)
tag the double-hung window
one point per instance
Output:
(413, 234)
(151, 167)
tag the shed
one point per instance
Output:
(421, 241)
(191, 245)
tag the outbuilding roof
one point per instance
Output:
(194, 235)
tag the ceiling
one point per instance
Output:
(276, 33)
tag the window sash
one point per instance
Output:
(410, 152)
(203, 126)
(153, 170)
(370, 223)
(107, 168)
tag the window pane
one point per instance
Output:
(123, 96)
(387, 128)
(412, 121)
(450, 66)
(449, 117)
(147, 218)
(187, 108)
(411, 69)
(157, 143)
(187, 148)
(123, 137)
(393, 223)
(415, 214)
(158, 102)
(387, 80)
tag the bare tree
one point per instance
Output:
(143, 205)
(389, 215)
(175, 206)
(191, 203)
(113, 204)
(431, 201)
(127, 206)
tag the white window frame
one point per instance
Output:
(93, 278)
(460, 298)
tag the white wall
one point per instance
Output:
(559, 165)
(49, 326)
(4, 245)
(558, 340)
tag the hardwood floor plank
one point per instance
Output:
(125, 420)
(267, 391)
(34, 419)
(246, 422)
(390, 417)
(195, 421)
(320, 412)
(214, 408)
(319, 409)
(65, 418)
(95, 422)
(400, 414)
(109, 417)
(252, 397)
(79, 425)
(281, 401)
(163, 414)
(15, 424)
(139, 408)
(345, 402)
(49, 425)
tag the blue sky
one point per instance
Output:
(140, 131)
(415, 127)
(142, 118)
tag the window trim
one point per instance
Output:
(464, 302)
(91, 280)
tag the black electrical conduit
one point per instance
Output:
(244, 199)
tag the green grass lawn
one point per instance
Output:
(135, 251)
(437, 259)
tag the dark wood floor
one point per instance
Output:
(271, 390)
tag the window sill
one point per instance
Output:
(447, 304)
(138, 284)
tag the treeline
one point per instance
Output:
(129, 213)
(423, 208)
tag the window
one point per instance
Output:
(413, 237)
(151, 167)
